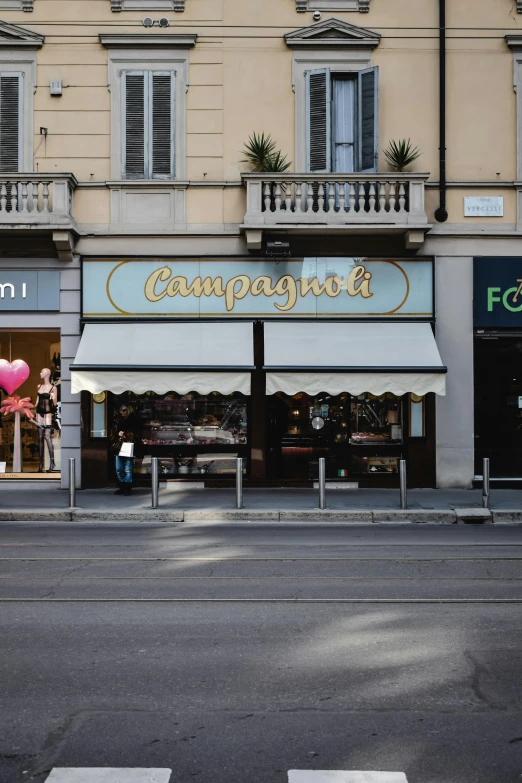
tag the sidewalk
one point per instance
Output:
(28, 500)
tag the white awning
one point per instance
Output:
(161, 357)
(352, 357)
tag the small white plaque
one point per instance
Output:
(343, 776)
(108, 775)
(483, 206)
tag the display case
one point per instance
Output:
(192, 434)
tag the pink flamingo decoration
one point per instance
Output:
(17, 405)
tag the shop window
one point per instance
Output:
(30, 377)
(416, 416)
(191, 434)
(357, 435)
(99, 415)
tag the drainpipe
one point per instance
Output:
(441, 214)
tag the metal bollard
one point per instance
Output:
(155, 482)
(72, 482)
(322, 482)
(403, 483)
(485, 482)
(239, 482)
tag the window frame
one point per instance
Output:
(148, 130)
(140, 60)
(345, 62)
(23, 63)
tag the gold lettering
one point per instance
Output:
(230, 290)
(262, 285)
(286, 286)
(178, 285)
(206, 287)
(332, 286)
(160, 275)
(363, 288)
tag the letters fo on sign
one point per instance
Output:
(313, 287)
(483, 206)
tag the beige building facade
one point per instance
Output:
(282, 317)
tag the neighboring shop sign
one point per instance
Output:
(497, 297)
(483, 206)
(313, 287)
(29, 290)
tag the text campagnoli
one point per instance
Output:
(161, 283)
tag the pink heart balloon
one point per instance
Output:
(13, 374)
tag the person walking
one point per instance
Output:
(124, 430)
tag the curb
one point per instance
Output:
(459, 516)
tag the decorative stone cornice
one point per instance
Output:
(149, 40)
(13, 36)
(514, 42)
(363, 6)
(333, 33)
(27, 5)
(118, 5)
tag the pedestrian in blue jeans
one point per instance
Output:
(124, 430)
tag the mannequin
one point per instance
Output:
(45, 407)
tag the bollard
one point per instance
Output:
(239, 482)
(72, 482)
(322, 482)
(403, 483)
(485, 482)
(155, 482)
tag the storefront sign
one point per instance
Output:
(313, 287)
(497, 299)
(483, 206)
(29, 291)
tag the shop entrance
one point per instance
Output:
(498, 404)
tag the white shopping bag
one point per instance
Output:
(127, 450)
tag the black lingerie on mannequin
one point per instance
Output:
(44, 403)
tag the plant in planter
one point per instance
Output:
(401, 153)
(260, 151)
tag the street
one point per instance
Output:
(240, 652)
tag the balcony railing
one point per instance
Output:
(36, 199)
(386, 200)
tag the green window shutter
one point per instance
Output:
(318, 120)
(163, 114)
(368, 119)
(134, 125)
(10, 122)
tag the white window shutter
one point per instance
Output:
(163, 114)
(10, 122)
(318, 120)
(368, 116)
(134, 125)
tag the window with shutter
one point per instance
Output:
(10, 122)
(368, 119)
(341, 121)
(318, 131)
(148, 124)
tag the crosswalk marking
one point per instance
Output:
(108, 775)
(343, 776)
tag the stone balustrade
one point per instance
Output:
(41, 199)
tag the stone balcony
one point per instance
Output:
(41, 203)
(382, 203)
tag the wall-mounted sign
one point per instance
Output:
(483, 206)
(313, 287)
(497, 291)
(29, 290)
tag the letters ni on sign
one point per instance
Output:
(483, 206)
(310, 287)
(497, 291)
(29, 290)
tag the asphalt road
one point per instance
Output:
(236, 653)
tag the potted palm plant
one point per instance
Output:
(401, 153)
